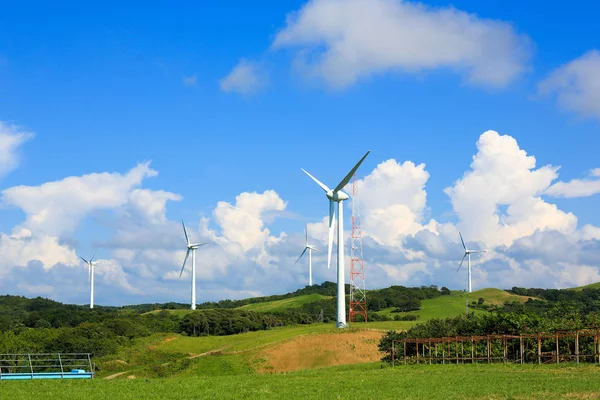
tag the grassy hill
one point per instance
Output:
(590, 286)
(278, 305)
(266, 306)
(275, 350)
(455, 304)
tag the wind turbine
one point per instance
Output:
(91, 265)
(337, 196)
(191, 247)
(468, 255)
(310, 249)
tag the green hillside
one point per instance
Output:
(590, 286)
(162, 355)
(455, 304)
(278, 305)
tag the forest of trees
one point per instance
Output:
(43, 325)
(552, 310)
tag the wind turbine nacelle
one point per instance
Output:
(337, 196)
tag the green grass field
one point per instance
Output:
(454, 304)
(180, 367)
(278, 305)
(364, 381)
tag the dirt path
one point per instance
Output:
(206, 353)
(115, 375)
(167, 340)
(209, 352)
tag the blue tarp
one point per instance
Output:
(47, 375)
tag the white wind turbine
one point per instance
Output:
(337, 196)
(191, 247)
(91, 264)
(310, 248)
(468, 255)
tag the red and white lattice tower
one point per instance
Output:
(358, 296)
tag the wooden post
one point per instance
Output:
(417, 344)
(462, 351)
(539, 348)
(429, 352)
(595, 348)
(557, 355)
(521, 349)
(488, 348)
(404, 351)
(457, 349)
(472, 351)
(443, 352)
(577, 346)
(505, 344)
(393, 352)
(436, 353)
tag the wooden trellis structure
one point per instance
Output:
(543, 347)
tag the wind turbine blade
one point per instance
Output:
(184, 260)
(331, 220)
(301, 255)
(185, 233)
(318, 182)
(463, 242)
(314, 248)
(478, 251)
(461, 262)
(197, 244)
(306, 233)
(91, 259)
(84, 260)
(345, 181)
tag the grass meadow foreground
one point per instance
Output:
(363, 381)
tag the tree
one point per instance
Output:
(444, 291)
(42, 324)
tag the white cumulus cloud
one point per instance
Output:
(576, 84)
(11, 138)
(56, 207)
(393, 197)
(246, 77)
(502, 174)
(342, 41)
(577, 187)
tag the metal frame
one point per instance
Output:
(540, 348)
(16, 366)
(358, 296)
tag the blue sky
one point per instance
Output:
(104, 88)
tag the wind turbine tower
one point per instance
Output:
(310, 249)
(358, 292)
(337, 196)
(191, 247)
(91, 264)
(468, 256)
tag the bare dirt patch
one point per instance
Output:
(113, 376)
(316, 351)
(589, 395)
(167, 340)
